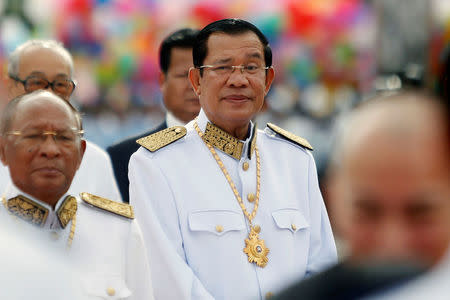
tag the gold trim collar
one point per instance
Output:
(35, 213)
(227, 143)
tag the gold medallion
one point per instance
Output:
(255, 248)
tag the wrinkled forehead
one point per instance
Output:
(44, 111)
(396, 177)
(39, 59)
(225, 45)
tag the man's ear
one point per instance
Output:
(82, 151)
(270, 75)
(194, 78)
(161, 79)
(2, 150)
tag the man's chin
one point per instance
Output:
(51, 187)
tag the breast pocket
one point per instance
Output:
(290, 219)
(217, 222)
(104, 287)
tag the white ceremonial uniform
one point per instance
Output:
(40, 274)
(94, 176)
(194, 228)
(107, 249)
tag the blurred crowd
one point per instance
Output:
(328, 55)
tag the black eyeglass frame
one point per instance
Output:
(51, 84)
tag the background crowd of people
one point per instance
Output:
(328, 54)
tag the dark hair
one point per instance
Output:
(444, 78)
(183, 38)
(227, 26)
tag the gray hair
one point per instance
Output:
(14, 58)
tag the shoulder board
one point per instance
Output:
(160, 139)
(290, 136)
(118, 208)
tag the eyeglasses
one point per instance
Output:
(32, 137)
(226, 70)
(60, 86)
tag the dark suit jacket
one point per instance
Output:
(120, 154)
(350, 282)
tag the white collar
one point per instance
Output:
(171, 120)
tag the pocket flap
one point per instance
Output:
(106, 287)
(291, 219)
(216, 221)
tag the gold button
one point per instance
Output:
(177, 130)
(219, 228)
(245, 166)
(251, 197)
(269, 295)
(110, 291)
(257, 228)
(293, 227)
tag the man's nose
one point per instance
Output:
(238, 78)
(394, 243)
(49, 147)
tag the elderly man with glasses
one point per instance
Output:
(229, 211)
(41, 144)
(46, 64)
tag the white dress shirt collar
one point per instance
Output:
(171, 120)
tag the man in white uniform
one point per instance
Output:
(229, 211)
(41, 145)
(46, 64)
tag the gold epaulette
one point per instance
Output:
(160, 139)
(118, 208)
(290, 136)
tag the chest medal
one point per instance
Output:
(255, 248)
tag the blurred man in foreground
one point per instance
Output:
(175, 59)
(41, 144)
(47, 65)
(390, 197)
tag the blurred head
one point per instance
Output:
(233, 71)
(391, 197)
(40, 64)
(175, 58)
(41, 144)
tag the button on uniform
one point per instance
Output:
(219, 228)
(110, 291)
(294, 227)
(245, 166)
(269, 295)
(251, 197)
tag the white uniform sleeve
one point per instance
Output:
(138, 272)
(323, 248)
(157, 215)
